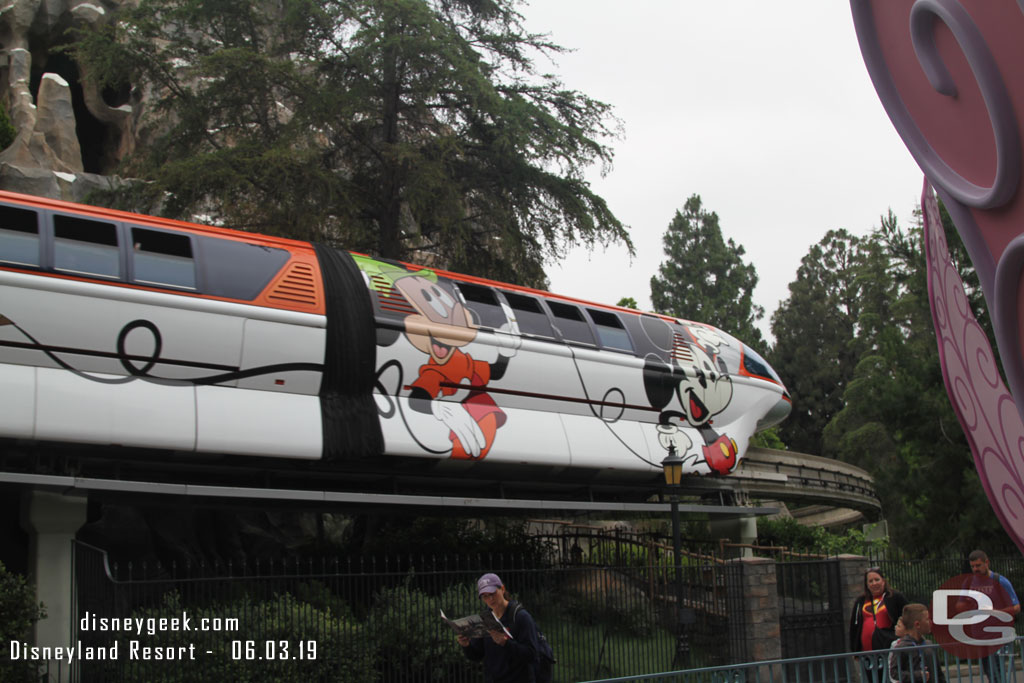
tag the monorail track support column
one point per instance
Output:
(51, 520)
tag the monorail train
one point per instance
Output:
(123, 329)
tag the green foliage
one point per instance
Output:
(620, 554)
(420, 535)
(613, 552)
(333, 647)
(791, 534)
(704, 277)
(855, 346)
(917, 580)
(628, 302)
(18, 612)
(897, 421)
(769, 438)
(618, 612)
(620, 654)
(816, 346)
(408, 129)
(414, 643)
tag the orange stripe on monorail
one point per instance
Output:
(298, 286)
(275, 295)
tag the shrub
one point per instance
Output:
(319, 645)
(18, 612)
(790, 533)
(414, 643)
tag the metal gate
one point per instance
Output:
(811, 613)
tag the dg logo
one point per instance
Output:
(968, 617)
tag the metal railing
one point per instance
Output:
(927, 662)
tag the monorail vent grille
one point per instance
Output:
(297, 286)
(390, 298)
(680, 349)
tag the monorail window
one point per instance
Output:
(610, 331)
(755, 365)
(238, 270)
(484, 303)
(85, 247)
(571, 323)
(162, 258)
(19, 236)
(530, 317)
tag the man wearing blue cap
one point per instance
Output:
(506, 660)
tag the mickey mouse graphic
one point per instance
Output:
(441, 326)
(709, 339)
(691, 390)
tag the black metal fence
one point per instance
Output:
(609, 607)
(811, 608)
(916, 579)
(608, 603)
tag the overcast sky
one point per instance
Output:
(764, 109)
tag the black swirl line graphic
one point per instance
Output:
(395, 404)
(158, 344)
(600, 415)
(128, 361)
(609, 406)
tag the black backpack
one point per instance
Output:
(545, 655)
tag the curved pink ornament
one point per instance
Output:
(982, 402)
(950, 74)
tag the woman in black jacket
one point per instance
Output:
(510, 655)
(873, 623)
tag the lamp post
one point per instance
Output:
(673, 469)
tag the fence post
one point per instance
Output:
(753, 581)
(851, 579)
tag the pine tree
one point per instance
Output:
(704, 277)
(897, 421)
(408, 129)
(816, 349)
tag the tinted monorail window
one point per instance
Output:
(570, 322)
(755, 365)
(530, 317)
(85, 247)
(484, 303)
(610, 331)
(19, 236)
(162, 258)
(237, 270)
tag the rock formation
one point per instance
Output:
(70, 136)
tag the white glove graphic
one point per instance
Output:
(508, 339)
(462, 424)
(670, 434)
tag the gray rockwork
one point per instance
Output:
(46, 156)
